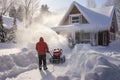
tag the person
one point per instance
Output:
(42, 49)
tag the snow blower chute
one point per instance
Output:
(57, 57)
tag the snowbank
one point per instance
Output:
(9, 48)
(24, 57)
(88, 63)
(14, 64)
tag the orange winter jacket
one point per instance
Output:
(41, 47)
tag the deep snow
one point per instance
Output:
(84, 62)
(22, 56)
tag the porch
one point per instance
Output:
(85, 33)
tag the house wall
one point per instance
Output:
(113, 24)
(113, 31)
(74, 11)
(84, 20)
(66, 22)
(113, 28)
(107, 35)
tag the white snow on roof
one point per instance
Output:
(8, 22)
(107, 11)
(98, 18)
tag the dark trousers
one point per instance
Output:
(42, 60)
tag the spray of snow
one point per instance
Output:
(25, 58)
(30, 36)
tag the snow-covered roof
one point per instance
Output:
(99, 17)
(80, 27)
(8, 22)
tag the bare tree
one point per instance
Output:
(5, 5)
(44, 9)
(91, 3)
(30, 7)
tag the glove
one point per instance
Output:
(48, 51)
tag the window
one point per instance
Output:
(76, 18)
(85, 37)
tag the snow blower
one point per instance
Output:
(57, 57)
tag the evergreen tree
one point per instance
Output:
(44, 12)
(20, 13)
(12, 12)
(44, 9)
(2, 31)
(11, 33)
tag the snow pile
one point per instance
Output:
(25, 58)
(9, 51)
(92, 65)
(14, 64)
(86, 62)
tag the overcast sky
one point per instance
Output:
(58, 4)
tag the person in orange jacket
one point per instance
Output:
(42, 49)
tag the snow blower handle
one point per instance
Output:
(49, 53)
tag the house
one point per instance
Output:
(97, 26)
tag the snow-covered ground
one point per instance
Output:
(84, 62)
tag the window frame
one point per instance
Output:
(79, 20)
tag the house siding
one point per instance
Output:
(84, 20)
(113, 28)
(113, 24)
(74, 11)
(66, 22)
